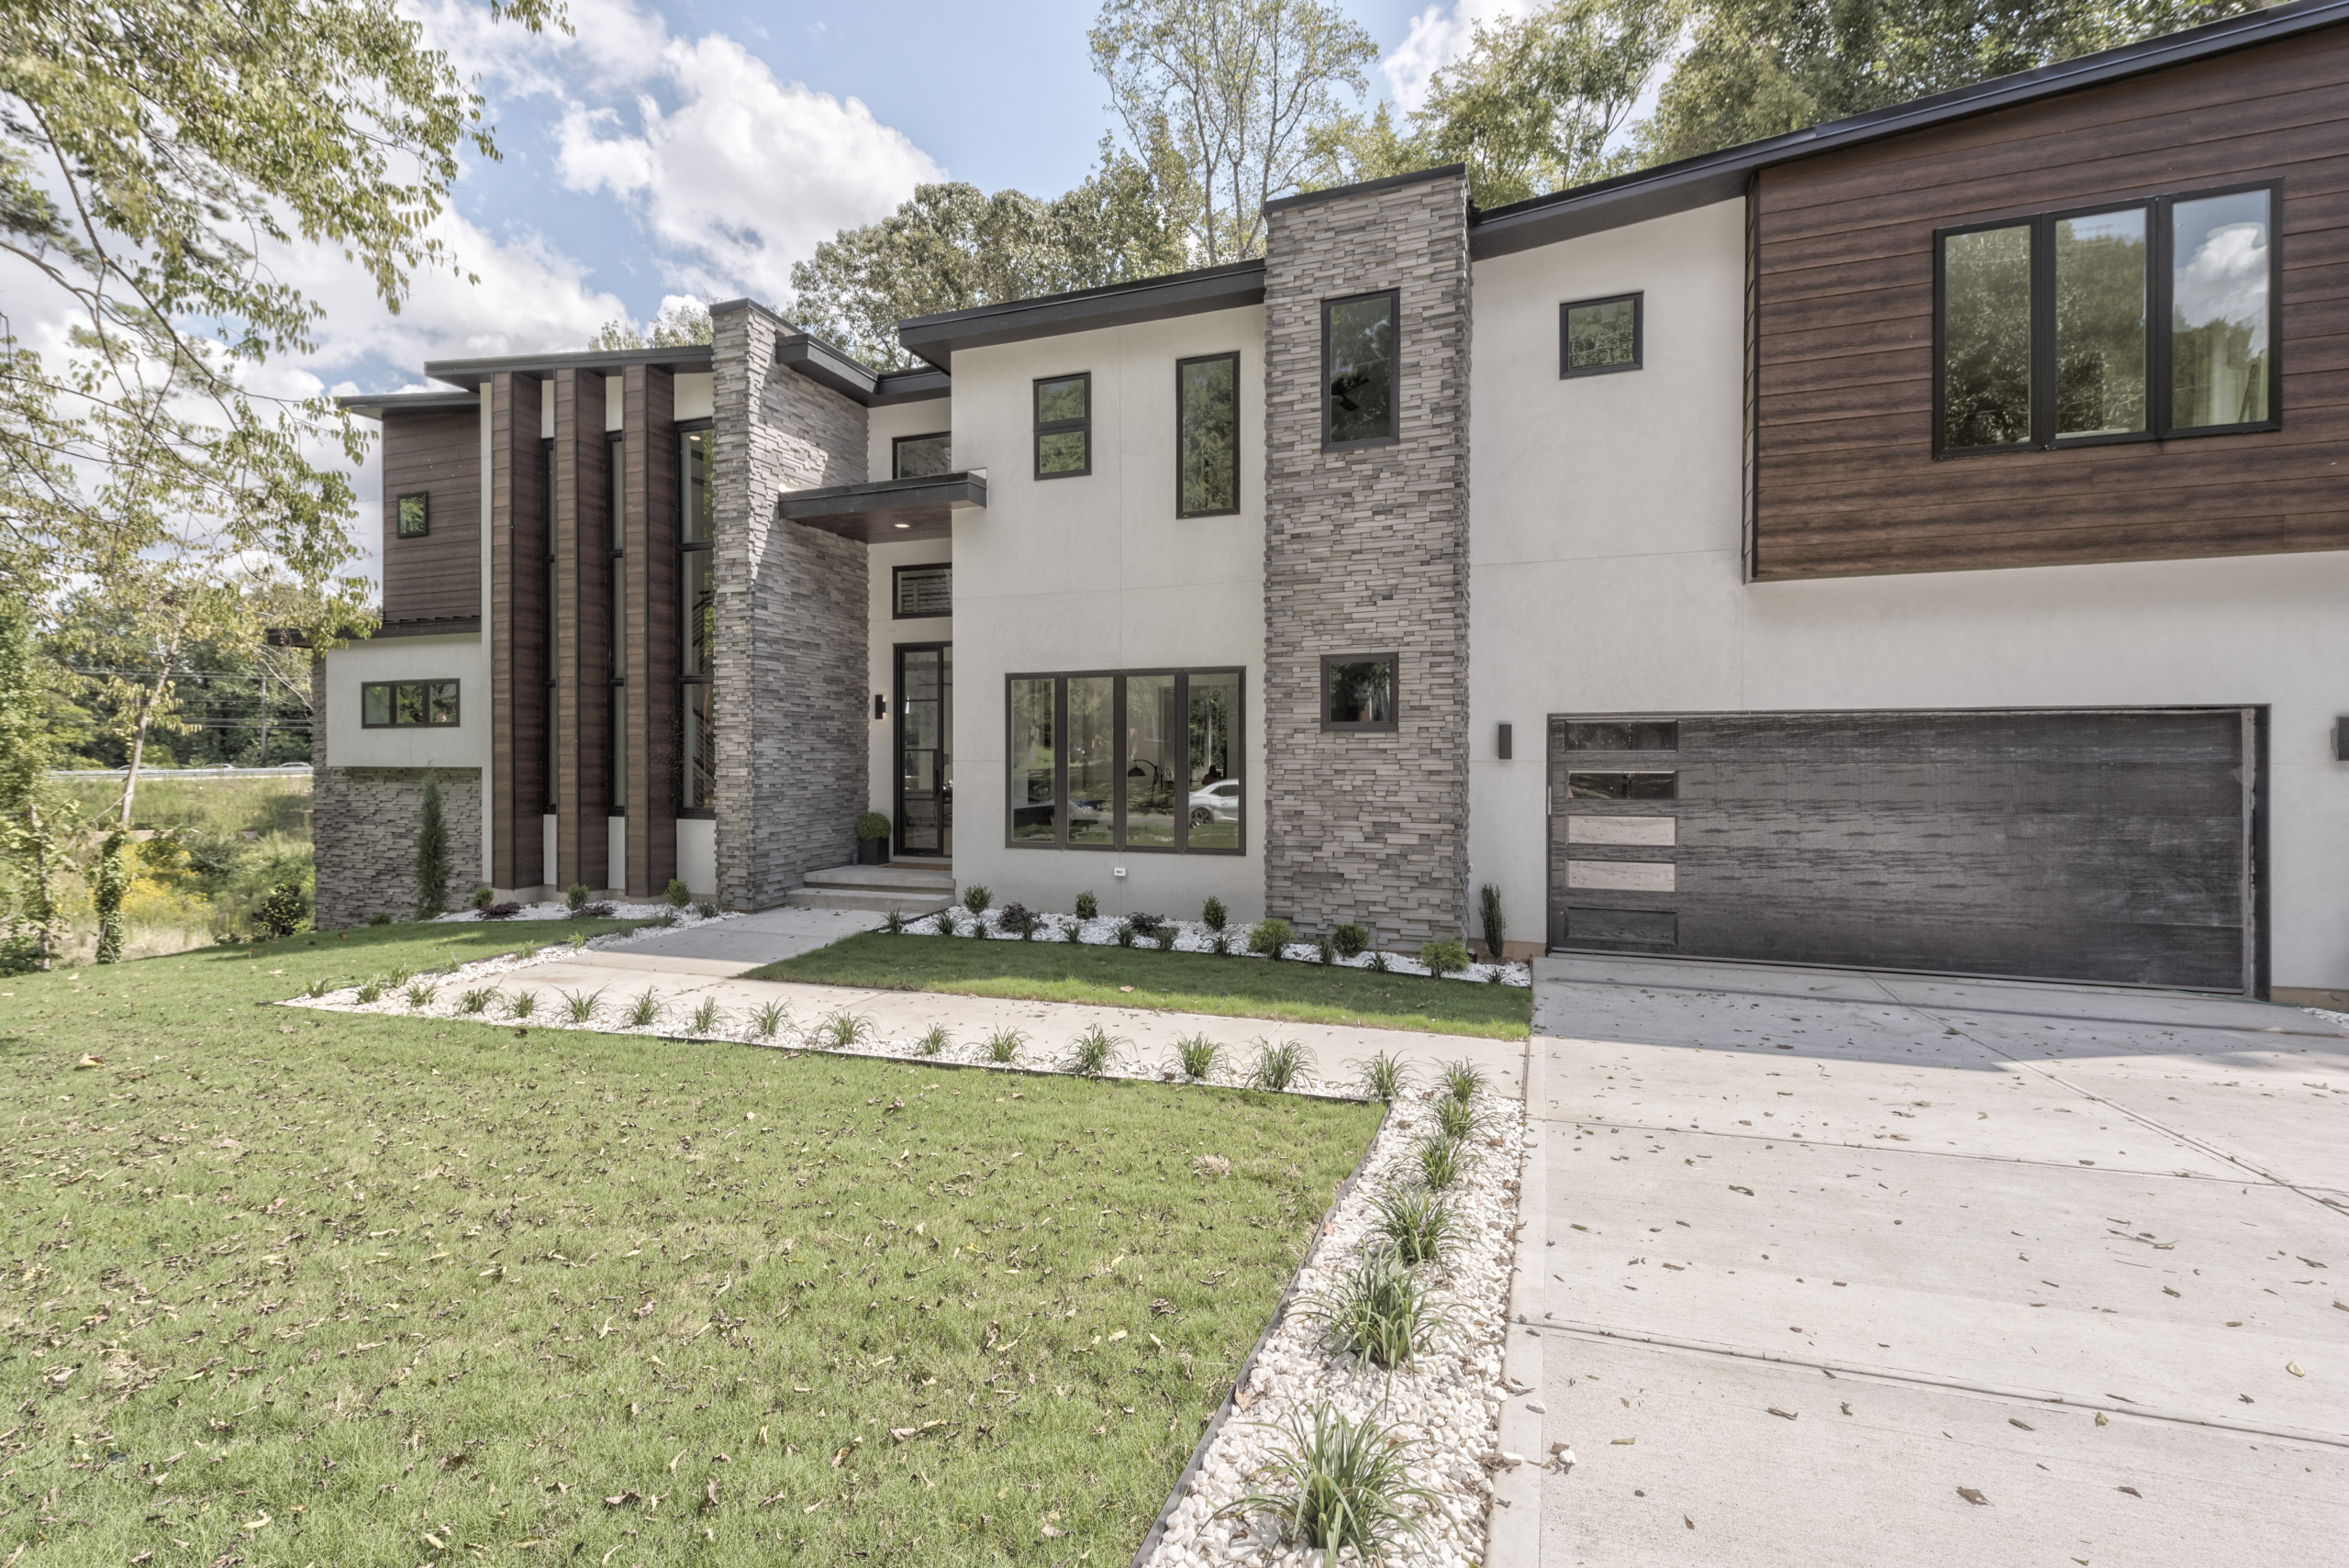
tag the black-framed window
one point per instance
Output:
(1207, 436)
(1064, 426)
(696, 658)
(1358, 370)
(921, 593)
(920, 456)
(551, 705)
(1141, 760)
(1359, 690)
(408, 704)
(412, 515)
(615, 644)
(1600, 337)
(2128, 322)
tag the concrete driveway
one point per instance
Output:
(1872, 1270)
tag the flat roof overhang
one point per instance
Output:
(889, 510)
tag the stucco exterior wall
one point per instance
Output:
(1097, 573)
(1607, 574)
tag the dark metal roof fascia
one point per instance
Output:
(959, 490)
(1229, 287)
(827, 366)
(916, 386)
(442, 626)
(471, 373)
(1363, 187)
(1722, 176)
(375, 405)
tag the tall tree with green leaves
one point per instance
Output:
(33, 818)
(1238, 89)
(158, 158)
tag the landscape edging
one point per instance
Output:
(1513, 1521)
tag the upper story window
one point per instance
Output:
(2139, 321)
(918, 593)
(1358, 370)
(920, 457)
(404, 705)
(415, 516)
(1599, 336)
(1064, 426)
(1207, 436)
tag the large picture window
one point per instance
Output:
(1207, 436)
(1064, 426)
(2140, 321)
(408, 704)
(1358, 370)
(1146, 761)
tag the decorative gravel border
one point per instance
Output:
(1193, 936)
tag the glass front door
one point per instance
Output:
(925, 748)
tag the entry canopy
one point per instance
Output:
(889, 510)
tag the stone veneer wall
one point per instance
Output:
(363, 827)
(791, 693)
(1367, 551)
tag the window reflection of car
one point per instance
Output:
(1217, 803)
(1042, 814)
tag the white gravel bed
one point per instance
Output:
(1449, 1403)
(2338, 1021)
(1193, 936)
(555, 910)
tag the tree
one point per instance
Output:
(431, 854)
(1237, 88)
(113, 882)
(33, 818)
(679, 322)
(157, 158)
(952, 247)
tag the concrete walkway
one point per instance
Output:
(1829, 1255)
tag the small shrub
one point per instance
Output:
(644, 1010)
(1166, 935)
(476, 1000)
(1461, 1119)
(707, 911)
(600, 911)
(522, 1004)
(380, 918)
(1124, 934)
(842, 1028)
(894, 922)
(582, 1006)
(708, 1020)
(1018, 919)
(1074, 932)
(871, 826)
(284, 912)
(1378, 1311)
(316, 989)
(678, 893)
(528, 951)
(1350, 939)
(1341, 1484)
(933, 1041)
(1494, 920)
(1420, 1226)
(1325, 950)
(1197, 1054)
(371, 991)
(505, 911)
(1003, 1044)
(1384, 1076)
(1270, 937)
(1378, 965)
(769, 1019)
(1462, 1079)
(1087, 906)
(1220, 945)
(1278, 1066)
(1145, 925)
(578, 940)
(1441, 1161)
(1096, 1052)
(1496, 975)
(484, 896)
(1213, 915)
(575, 896)
(1446, 957)
(976, 898)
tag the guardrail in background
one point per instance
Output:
(157, 775)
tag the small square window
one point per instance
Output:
(1064, 426)
(1599, 336)
(921, 457)
(414, 513)
(921, 592)
(1358, 691)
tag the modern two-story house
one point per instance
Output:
(1916, 543)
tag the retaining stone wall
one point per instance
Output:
(364, 827)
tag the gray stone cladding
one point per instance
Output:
(363, 825)
(791, 697)
(1367, 551)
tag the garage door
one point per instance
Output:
(2111, 846)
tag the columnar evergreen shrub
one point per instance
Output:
(431, 854)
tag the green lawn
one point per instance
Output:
(297, 1289)
(1174, 982)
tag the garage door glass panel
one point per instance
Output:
(1622, 786)
(1623, 735)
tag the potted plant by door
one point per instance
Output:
(873, 839)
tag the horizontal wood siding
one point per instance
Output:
(438, 452)
(1846, 483)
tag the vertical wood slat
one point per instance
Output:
(583, 582)
(648, 403)
(516, 631)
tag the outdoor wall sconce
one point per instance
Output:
(879, 707)
(1507, 743)
(2341, 739)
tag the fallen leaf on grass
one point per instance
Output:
(1624, 1443)
(624, 1499)
(90, 1062)
(1973, 1495)
(1733, 1187)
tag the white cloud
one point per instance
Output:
(2226, 280)
(1439, 35)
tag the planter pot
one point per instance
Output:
(872, 851)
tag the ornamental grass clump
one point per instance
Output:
(1325, 949)
(1462, 1119)
(371, 991)
(1340, 1484)
(1197, 1055)
(842, 1028)
(421, 994)
(1166, 935)
(1124, 934)
(1278, 1066)
(894, 922)
(1222, 945)
(1096, 1052)
(1384, 1076)
(706, 1018)
(1443, 1162)
(1463, 1080)
(1420, 1226)
(933, 1041)
(1003, 1044)
(645, 1009)
(769, 1019)
(476, 1000)
(316, 989)
(522, 1004)
(581, 1006)
(1378, 965)
(1378, 1311)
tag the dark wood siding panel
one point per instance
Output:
(439, 453)
(648, 403)
(1847, 481)
(518, 609)
(582, 617)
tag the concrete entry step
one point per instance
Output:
(887, 879)
(909, 901)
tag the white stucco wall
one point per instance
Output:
(884, 425)
(464, 659)
(1606, 577)
(1097, 573)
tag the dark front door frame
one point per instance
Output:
(945, 791)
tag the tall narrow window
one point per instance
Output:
(1207, 436)
(697, 668)
(1358, 370)
(2100, 278)
(1985, 337)
(550, 713)
(1092, 746)
(2221, 287)
(616, 754)
(921, 457)
(1064, 426)
(415, 515)
(1145, 761)
(1153, 762)
(1033, 752)
(1213, 785)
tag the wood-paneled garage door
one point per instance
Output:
(2115, 845)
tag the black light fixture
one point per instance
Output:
(2341, 739)
(1507, 743)
(879, 707)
